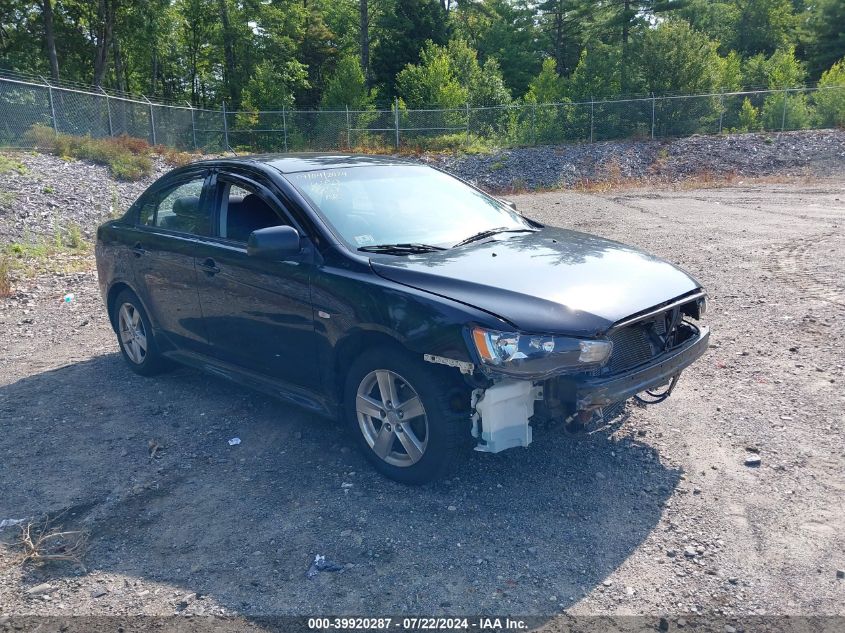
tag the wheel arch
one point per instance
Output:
(351, 346)
(111, 297)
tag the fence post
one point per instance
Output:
(108, 110)
(152, 120)
(652, 115)
(592, 110)
(285, 127)
(783, 115)
(466, 142)
(348, 130)
(225, 128)
(52, 106)
(721, 109)
(193, 125)
(396, 118)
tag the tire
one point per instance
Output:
(136, 341)
(422, 447)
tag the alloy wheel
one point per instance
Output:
(133, 336)
(392, 418)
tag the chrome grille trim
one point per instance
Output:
(647, 315)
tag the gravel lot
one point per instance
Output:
(657, 515)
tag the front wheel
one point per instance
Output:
(411, 421)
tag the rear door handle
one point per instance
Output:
(138, 250)
(209, 267)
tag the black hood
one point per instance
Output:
(550, 281)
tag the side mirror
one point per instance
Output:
(509, 203)
(274, 242)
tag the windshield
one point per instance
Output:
(402, 204)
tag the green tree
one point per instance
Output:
(749, 117)
(484, 84)
(826, 34)
(715, 18)
(318, 53)
(785, 109)
(272, 85)
(347, 87)
(673, 57)
(616, 20)
(762, 26)
(562, 33)
(746, 26)
(830, 98)
(549, 114)
(505, 30)
(597, 75)
(547, 86)
(402, 29)
(196, 28)
(433, 82)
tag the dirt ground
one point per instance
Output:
(656, 515)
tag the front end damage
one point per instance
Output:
(649, 352)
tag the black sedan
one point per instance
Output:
(427, 315)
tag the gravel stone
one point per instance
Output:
(818, 152)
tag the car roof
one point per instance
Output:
(292, 163)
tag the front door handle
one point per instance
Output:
(209, 267)
(138, 250)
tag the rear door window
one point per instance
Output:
(180, 208)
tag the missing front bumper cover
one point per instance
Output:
(501, 415)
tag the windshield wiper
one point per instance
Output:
(490, 232)
(401, 249)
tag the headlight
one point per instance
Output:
(536, 355)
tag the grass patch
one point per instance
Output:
(415, 146)
(66, 251)
(127, 158)
(7, 198)
(10, 164)
(5, 277)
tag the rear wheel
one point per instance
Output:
(411, 421)
(135, 336)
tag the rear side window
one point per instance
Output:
(179, 209)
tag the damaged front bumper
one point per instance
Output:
(502, 412)
(594, 392)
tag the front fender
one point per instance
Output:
(353, 303)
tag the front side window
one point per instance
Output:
(244, 210)
(179, 209)
(401, 205)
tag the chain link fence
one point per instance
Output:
(25, 103)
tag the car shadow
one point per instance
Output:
(146, 466)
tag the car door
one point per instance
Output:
(257, 312)
(170, 221)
